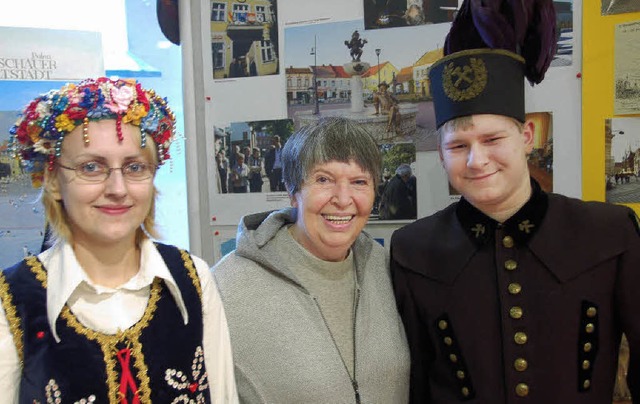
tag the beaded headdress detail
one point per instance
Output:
(36, 138)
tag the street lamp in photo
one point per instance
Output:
(378, 55)
(316, 107)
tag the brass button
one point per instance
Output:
(507, 241)
(448, 341)
(586, 364)
(465, 391)
(522, 390)
(520, 338)
(514, 288)
(453, 358)
(442, 325)
(591, 312)
(510, 265)
(520, 364)
(515, 312)
(460, 374)
(586, 384)
(587, 347)
(589, 328)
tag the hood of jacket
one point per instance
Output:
(257, 231)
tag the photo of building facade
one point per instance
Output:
(243, 38)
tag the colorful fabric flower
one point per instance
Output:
(120, 99)
(44, 146)
(64, 124)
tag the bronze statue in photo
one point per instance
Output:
(355, 45)
(387, 104)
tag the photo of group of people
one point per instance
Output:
(396, 196)
(247, 156)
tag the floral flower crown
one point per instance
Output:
(36, 138)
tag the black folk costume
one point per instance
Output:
(145, 362)
(531, 310)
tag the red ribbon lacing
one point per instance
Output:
(126, 380)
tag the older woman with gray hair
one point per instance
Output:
(307, 292)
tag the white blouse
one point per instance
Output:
(108, 310)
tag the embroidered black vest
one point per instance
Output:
(159, 359)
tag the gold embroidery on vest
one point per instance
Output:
(12, 316)
(108, 344)
(193, 274)
(36, 267)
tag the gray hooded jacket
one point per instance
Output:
(282, 349)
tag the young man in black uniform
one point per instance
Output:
(512, 294)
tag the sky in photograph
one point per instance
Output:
(401, 46)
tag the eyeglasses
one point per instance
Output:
(93, 171)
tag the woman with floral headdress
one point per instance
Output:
(107, 315)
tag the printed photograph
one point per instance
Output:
(244, 38)
(622, 160)
(564, 33)
(338, 69)
(247, 156)
(620, 6)
(396, 197)
(406, 13)
(626, 59)
(541, 157)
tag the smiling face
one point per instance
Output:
(333, 204)
(487, 163)
(112, 211)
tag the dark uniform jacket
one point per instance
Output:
(531, 310)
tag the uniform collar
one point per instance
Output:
(480, 228)
(65, 275)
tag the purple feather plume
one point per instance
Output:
(525, 27)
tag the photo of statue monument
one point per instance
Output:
(338, 69)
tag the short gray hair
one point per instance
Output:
(328, 139)
(403, 170)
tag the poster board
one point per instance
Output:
(224, 98)
(599, 96)
(33, 61)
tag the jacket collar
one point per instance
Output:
(522, 226)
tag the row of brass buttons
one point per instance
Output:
(588, 344)
(516, 313)
(466, 389)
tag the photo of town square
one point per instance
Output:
(622, 160)
(379, 78)
(244, 38)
